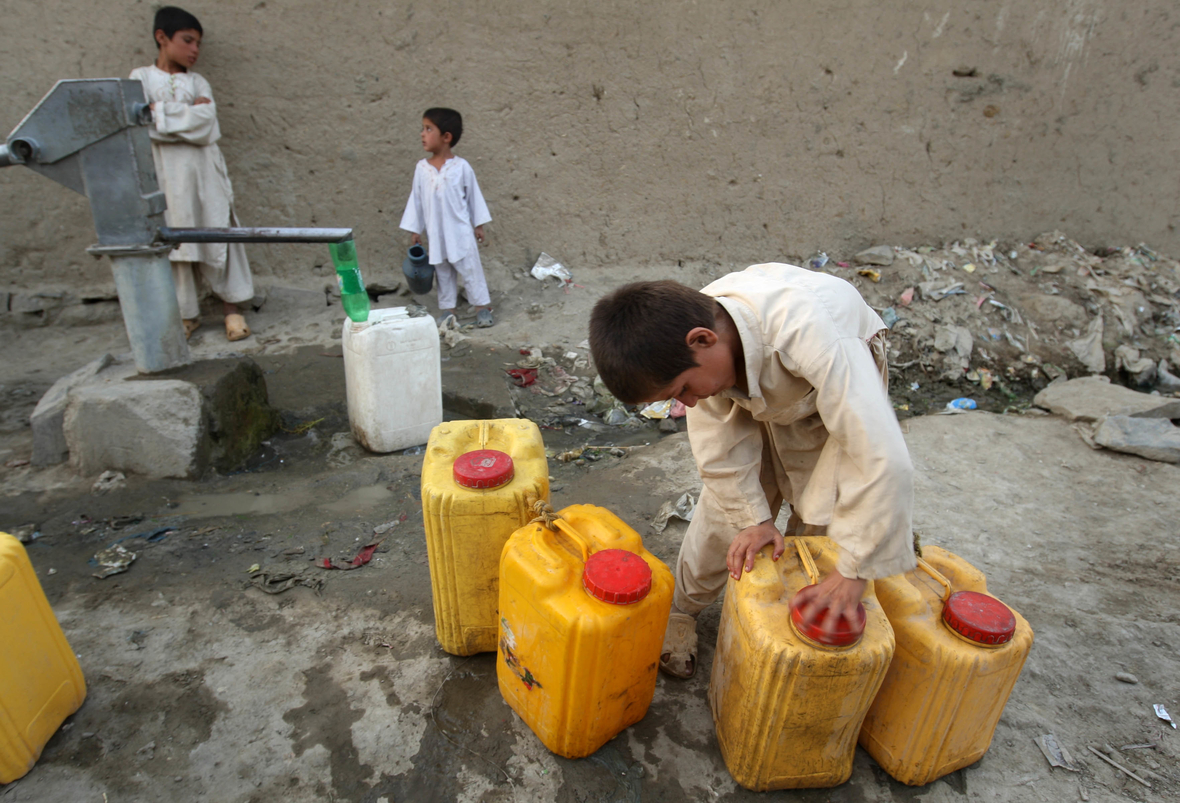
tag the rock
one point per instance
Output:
(151, 427)
(1126, 677)
(49, 440)
(1092, 397)
(1088, 347)
(174, 424)
(877, 255)
(668, 425)
(1153, 438)
(90, 313)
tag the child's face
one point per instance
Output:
(182, 49)
(714, 372)
(433, 140)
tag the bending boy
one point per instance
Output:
(785, 375)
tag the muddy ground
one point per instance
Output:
(203, 687)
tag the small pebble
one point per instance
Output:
(1126, 677)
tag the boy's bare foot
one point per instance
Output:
(191, 325)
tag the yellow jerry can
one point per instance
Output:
(480, 480)
(40, 681)
(787, 709)
(959, 652)
(583, 609)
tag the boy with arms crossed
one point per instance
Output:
(784, 374)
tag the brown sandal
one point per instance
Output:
(191, 325)
(678, 656)
(235, 327)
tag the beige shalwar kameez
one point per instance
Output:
(192, 173)
(817, 430)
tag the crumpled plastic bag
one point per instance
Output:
(682, 508)
(547, 267)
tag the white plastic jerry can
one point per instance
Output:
(393, 378)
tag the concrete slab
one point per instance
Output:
(210, 414)
(49, 438)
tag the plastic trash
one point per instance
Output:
(889, 316)
(547, 267)
(817, 260)
(657, 410)
(961, 403)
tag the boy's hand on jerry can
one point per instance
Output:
(746, 545)
(836, 597)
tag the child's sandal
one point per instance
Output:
(678, 656)
(235, 327)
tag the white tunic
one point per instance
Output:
(193, 175)
(446, 204)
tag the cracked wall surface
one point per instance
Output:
(735, 132)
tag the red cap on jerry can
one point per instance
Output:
(484, 468)
(979, 618)
(847, 633)
(617, 576)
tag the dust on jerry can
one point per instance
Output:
(583, 609)
(786, 708)
(480, 480)
(959, 652)
(40, 681)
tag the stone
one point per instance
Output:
(49, 440)
(1088, 347)
(1126, 677)
(669, 425)
(1090, 398)
(212, 413)
(1164, 380)
(1153, 438)
(877, 255)
(152, 427)
(1127, 358)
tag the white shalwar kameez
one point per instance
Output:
(446, 205)
(192, 173)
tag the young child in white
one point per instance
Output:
(192, 171)
(446, 204)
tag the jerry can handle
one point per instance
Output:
(806, 559)
(930, 570)
(551, 522)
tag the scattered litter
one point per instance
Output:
(969, 268)
(547, 267)
(522, 377)
(914, 386)
(362, 557)
(253, 569)
(1118, 766)
(109, 481)
(682, 508)
(27, 533)
(817, 260)
(658, 410)
(1162, 713)
(889, 316)
(929, 290)
(278, 582)
(1055, 754)
(1151, 745)
(960, 405)
(1126, 677)
(382, 529)
(113, 560)
(873, 275)
(907, 297)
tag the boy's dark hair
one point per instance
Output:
(447, 121)
(638, 332)
(171, 19)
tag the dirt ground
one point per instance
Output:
(203, 687)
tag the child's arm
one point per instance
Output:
(194, 123)
(477, 209)
(413, 219)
